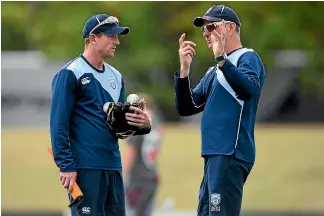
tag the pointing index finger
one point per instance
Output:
(181, 39)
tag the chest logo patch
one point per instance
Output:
(112, 83)
(85, 80)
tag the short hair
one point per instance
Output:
(238, 30)
(87, 40)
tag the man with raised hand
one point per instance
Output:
(228, 94)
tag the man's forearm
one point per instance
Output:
(64, 162)
(184, 71)
(248, 84)
(62, 154)
(184, 98)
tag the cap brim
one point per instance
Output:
(116, 30)
(199, 21)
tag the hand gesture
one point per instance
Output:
(218, 39)
(140, 118)
(186, 52)
(68, 179)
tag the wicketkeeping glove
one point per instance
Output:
(116, 118)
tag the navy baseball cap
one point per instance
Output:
(103, 23)
(218, 13)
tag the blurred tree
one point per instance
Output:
(14, 34)
(55, 28)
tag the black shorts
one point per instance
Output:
(221, 189)
(103, 193)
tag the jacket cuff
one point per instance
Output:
(177, 75)
(68, 169)
(225, 65)
(143, 131)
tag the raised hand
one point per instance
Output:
(186, 52)
(218, 39)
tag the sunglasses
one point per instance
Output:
(109, 20)
(212, 26)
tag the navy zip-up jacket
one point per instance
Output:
(228, 97)
(80, 136)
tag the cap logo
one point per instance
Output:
(111, 19)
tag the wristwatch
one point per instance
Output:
(221, 58)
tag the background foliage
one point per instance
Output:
(148, 56)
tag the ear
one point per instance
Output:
(232, 28)
(93, 38)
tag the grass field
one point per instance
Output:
(288, 174)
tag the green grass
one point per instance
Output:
(288, 174)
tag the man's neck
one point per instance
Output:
(94, 59)
(233, 46)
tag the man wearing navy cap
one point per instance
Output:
(84, 148)
(228, 94)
